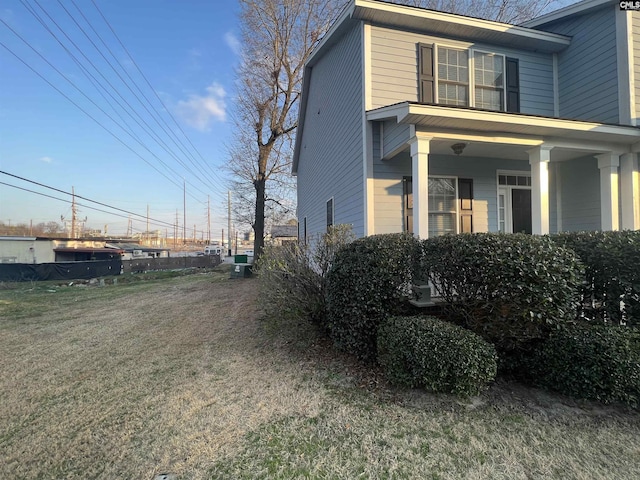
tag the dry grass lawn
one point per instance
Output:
(183, 376)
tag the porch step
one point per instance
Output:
(422, 296)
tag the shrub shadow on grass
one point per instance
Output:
(308, 347)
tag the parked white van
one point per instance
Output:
(213, 250)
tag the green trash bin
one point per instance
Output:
(241, 270)
(241, 259)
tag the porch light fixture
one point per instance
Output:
(458, 148)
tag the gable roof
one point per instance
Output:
(440, 23)
(429, 22)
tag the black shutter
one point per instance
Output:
(329, 214)
(465, 193)
(513, 85)
(425, 73)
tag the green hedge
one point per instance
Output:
(509, 288)
(612, 273)
(434, 354)
(369, 279)
(591, 361)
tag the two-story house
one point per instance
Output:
(422, 121)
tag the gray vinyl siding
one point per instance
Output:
(394, 136)
(388, 190)
(587, 69)
(394, 65)
(580, 187)
(635, 22)
(330, 162)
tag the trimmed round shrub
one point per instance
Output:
(436, 355)
(369, 280)
(611, 291)
(591, 361)
(512, 289)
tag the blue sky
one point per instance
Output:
(186, 49)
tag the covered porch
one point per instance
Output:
(507, 172)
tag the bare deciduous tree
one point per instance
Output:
(507, 11)
(277, 36)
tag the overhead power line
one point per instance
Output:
(152, 221)
(211, 180)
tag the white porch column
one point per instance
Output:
(630, 191)
(539, 158)
(609, 206)
(420, 173)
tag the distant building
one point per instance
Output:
(281, 234)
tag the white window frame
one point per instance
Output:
(436, 77)
(471, 94)
(506, 190)
(472, 77)
(456, 201)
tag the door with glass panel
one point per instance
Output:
(514, 203)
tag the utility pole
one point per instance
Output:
(74, 212)
(147, 233)
(208, 220)
(184, 214)
(229, 220)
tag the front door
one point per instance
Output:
(514, 202)
(521, 210)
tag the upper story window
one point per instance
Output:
(453, 76)
(488, 71)
(468, 78)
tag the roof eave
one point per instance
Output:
(469, 119)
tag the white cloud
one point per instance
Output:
(46, 159)
(233, 43)
(199, 111)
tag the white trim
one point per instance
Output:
(624, 57)
(608, 164)
(564, 12)
(407, 112)
(556, 87)
(558, 185)
(630, 191)
(420, 146)
(367, 133)
(539, 159)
